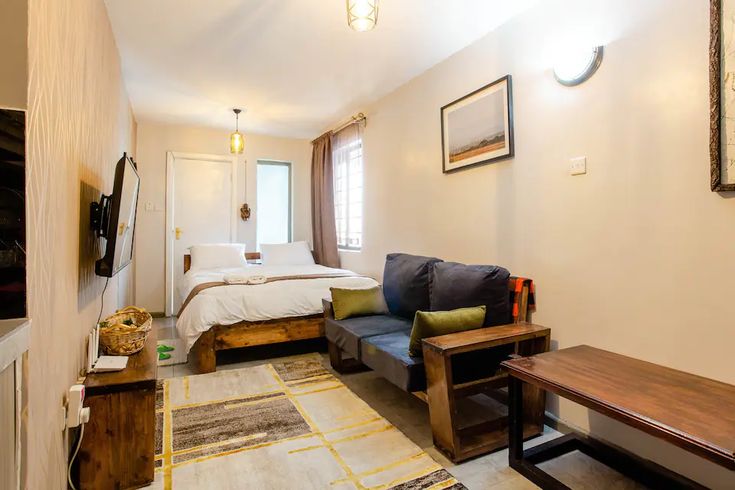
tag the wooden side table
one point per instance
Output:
(119, 441)
(455, 438)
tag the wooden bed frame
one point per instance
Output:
(203, 354)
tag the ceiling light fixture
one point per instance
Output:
(362, 15)
(577, 66)
(237, 142)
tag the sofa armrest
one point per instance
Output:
(328, 309)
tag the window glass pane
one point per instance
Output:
(273, 217)
(348, 188)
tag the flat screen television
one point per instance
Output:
(113, 218)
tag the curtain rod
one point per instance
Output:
(357, 118)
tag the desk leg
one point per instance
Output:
(515, 441)
(515, 420)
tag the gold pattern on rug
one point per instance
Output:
(280, 424)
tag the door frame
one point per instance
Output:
(171, 157)
(275, 163)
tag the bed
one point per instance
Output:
(218, 315)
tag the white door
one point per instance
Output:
(200, 208)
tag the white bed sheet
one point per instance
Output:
(225, 305)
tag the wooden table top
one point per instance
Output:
(695, 413)
(141, 370)
(481, 338)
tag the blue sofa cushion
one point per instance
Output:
(406, 283)
(388, 356)
(347, 334)
(456, 285)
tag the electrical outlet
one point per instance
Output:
(578, 166)
(148, 206)
(76, 413)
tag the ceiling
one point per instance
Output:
(294, 66)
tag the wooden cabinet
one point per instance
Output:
(119, 441)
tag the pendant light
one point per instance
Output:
(237, 142)
(362, 15)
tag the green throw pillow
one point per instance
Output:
(434, 323)
(358, 302)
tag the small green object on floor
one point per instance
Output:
(164, 348)
(162, 356)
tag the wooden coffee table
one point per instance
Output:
(455, 437)
(692, 412)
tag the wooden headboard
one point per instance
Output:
(248, 256)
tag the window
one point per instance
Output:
(273, 224)
(347, 161)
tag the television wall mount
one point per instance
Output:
(99, 216)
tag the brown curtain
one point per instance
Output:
(322, 202)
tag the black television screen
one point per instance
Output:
(114, 219)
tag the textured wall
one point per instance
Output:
(635, 256)
(79, 124)
(154, 140)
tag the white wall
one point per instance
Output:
(634, 257)
(154, 140)
(79, 123)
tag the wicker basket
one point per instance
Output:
(119, 339)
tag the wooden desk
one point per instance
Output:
(692, 412)
(118, 446)
(460, 440)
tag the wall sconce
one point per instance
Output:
(576, 67)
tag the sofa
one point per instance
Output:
(415, 283)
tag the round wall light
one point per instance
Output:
(576, 67)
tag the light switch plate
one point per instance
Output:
(578, 166)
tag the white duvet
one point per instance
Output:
(225, 305)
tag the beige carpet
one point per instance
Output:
(285, 425)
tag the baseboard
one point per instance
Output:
(157, 314)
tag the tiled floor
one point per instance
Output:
(411, 417)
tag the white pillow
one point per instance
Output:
(296, 253)
(218, 255)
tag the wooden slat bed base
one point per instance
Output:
(203, 355)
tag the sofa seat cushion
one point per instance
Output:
(456, 285)
(388, 356)
(406, 283)
(347, 334)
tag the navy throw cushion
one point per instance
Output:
(456, 285)
(406, 283)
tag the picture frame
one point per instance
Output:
(477, 128)
(722, 95)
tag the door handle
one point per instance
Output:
(178, 233)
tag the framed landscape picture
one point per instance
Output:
(722, 95)
(478, 128)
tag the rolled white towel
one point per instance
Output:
(245, 279)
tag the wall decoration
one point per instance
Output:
(245, 212)
(722, 95)
(478, 128)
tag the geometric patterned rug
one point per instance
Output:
(285, 425)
